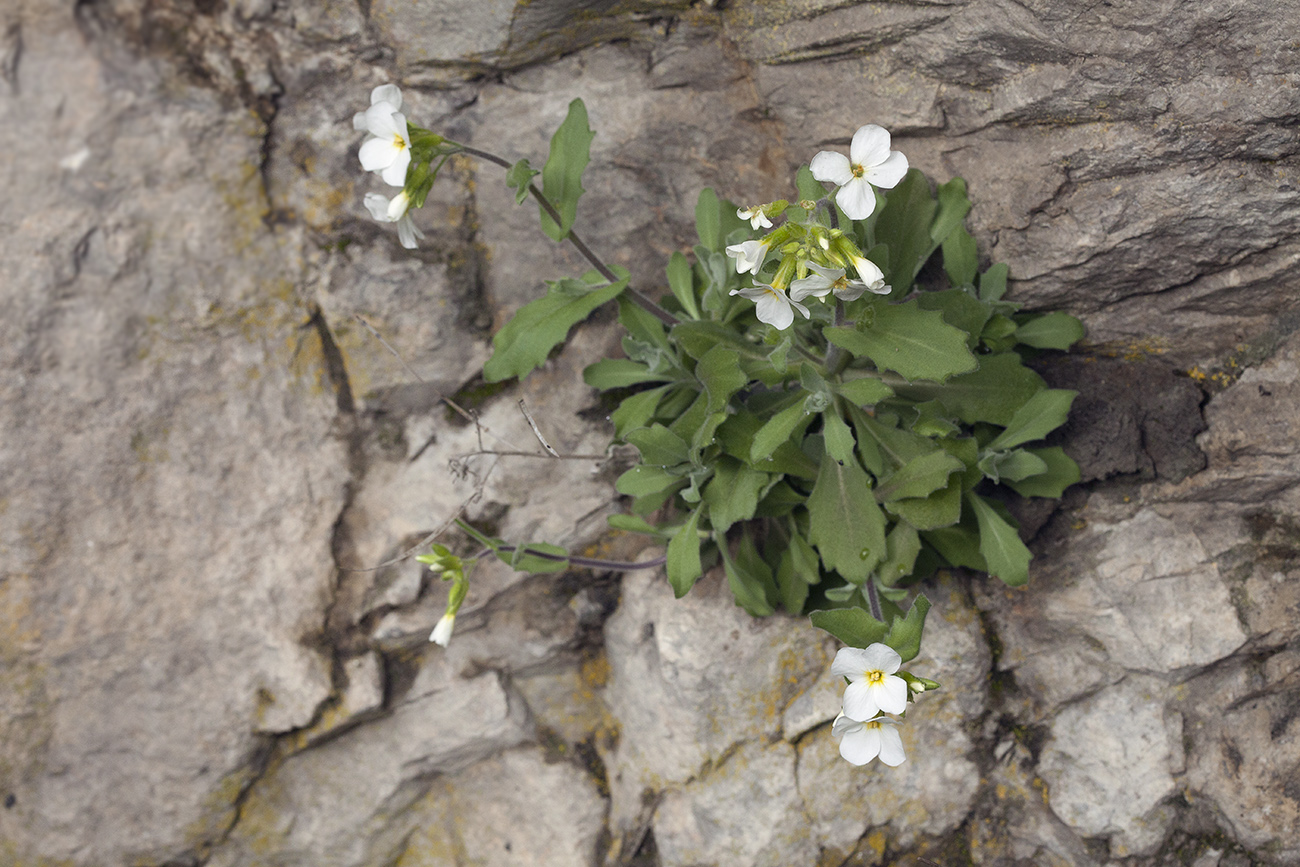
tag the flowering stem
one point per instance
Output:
(836, 358)
(493, 547)
(873, 597)
(596, 262)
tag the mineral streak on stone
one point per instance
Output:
(204, 452)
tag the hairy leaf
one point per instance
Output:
(562, 174)
(846, 525)
(916, 343)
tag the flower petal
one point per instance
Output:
(390, 94)
(397, 207)
(377, 154)
(882, 657)
(383, 122)
(889, 173)
(850, 662)
(868, 271)
(861, 745)
(852, 292)
(833, 167)
(395, 174)
(891, 746)
(859, 704)
(814, 285)
(407, 233)
(377, 205)
(774, 309)
(856, 199)
(870, 146)
(890, 694)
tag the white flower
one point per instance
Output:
(824, 281)
(394, 211)
(390, 94)
(872, 685)
(860, 742)
(870, 161)
(441, 634)
(772, 306)
(388, 150)
(872, 277)
(749, 256)
(756, 216)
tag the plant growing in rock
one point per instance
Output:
(806, 414)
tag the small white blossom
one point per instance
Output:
(772, 305)
(871, 275)
(388, 150)
(749, 256)
(441, 634)
(860, 742)
(870, 161)
(395, 211)
(873, 687)
(823, 281)
(757, 217)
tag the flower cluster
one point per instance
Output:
(814, 257)
(874, 690)
(451, 568)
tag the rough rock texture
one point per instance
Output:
(209, 651)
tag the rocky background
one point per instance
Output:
(205, 455)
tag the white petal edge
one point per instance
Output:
(395, 174)
(891, 746)
(889, 173)
(832, 167)
(377, 205)
(849, 662)
(870, 146)
(774, 309)
(390, 94)
(882, 657)
(856, 199)
(377, 154)
(858, 702)
(891, 695)
(859, 746)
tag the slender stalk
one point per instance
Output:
(873, 597)
(596, 262)
(585, 562)
(836, 358)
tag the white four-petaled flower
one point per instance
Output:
(772, 305)
(394, 211)
(388, 150)
(749, 256)
(872, 688)
(860, 742)
(823, 281)
(870, 162)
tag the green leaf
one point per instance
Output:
(959, 545)
(633, 524)
(732, 493)
(518, 178)
(993, 283)
(750, 578)
(931, 420)
(636, 410)
(853, 626)
(522, 559)
(919, 477)
(1061, 472)
(902, 545)
(952, 211)
(904, 224)
(916, 343)
(993, 393)
(839, 438)
(619, 373)
(1040, 415)
(1051, 331)
(960, 309)
(681, 280)
(660, 446)
(1000, 546)
(960, 257)
(698, 338)
(644, 479)
(683, 564)
(864, 392)
(1011, 466)
(708, 219)
(940, 509)
(846, 525)
(905, 632)
(530, 335)
(643, 326)
(562, 174)
(798, 568)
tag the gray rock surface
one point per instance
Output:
(206, 454)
